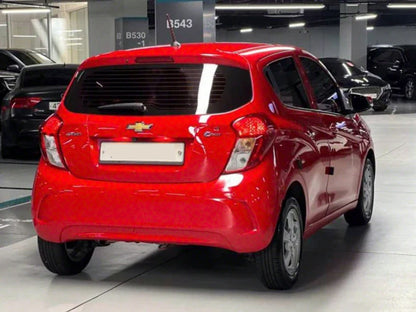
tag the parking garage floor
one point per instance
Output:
(371, 268)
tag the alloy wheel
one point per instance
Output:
(368, 184)
(292, 241)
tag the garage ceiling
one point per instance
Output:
(330, 15)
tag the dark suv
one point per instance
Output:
(396, 65)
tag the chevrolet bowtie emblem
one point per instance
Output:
(139, 126)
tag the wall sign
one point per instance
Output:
(131, 32)
(186, 20)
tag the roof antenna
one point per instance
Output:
(174, 43)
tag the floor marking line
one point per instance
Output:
(391, 151)
(126, 281)
(15, 188)
(15, 220)
(2, 226)
(15, 202)
(14, 206)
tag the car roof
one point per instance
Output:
(237, 52)
(49, 66)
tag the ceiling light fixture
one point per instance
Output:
(24, 11)
(246, 30)
(370, 28)
(3, 25)
(297, 25)
(24, 36)
(352, 4)
(363, 17)
(265, 7)
(401, 5)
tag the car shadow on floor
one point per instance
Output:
(329, 256)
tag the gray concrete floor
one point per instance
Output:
(372, 268)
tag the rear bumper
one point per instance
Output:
(236, 212)
(23, 133)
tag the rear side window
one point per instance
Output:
(287, 83)
(160, 89)
(386, 56)
(326, 91)
(47, 77)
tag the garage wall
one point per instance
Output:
(101, 16)
(321, 41)
(392, 35)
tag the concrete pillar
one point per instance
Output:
(101, 21)
(191, 20)
(353, 35)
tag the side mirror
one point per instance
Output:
(13, 68)
(359, 102)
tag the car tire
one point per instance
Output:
(278, 264)
(7, 151)
(361, 214)
(409, 89)
(65, 258)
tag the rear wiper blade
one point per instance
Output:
(140, 107)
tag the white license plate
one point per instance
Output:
(142, 153)
(371, 95)
(54, 105)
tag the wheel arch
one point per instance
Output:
(371, 156)
(296, 190)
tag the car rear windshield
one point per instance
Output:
(343, 69)
(47, 77)
(31, 58)
(160, 89)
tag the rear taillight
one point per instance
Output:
(49, 141)
(25, 102)
(255, 136)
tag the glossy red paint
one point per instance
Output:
(198, 203)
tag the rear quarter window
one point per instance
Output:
(160, 89)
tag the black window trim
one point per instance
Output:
(333, 79)
(273, 83)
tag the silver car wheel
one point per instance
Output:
(368, 185)
(292, 241)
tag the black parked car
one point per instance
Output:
(353, 79)
(37, 95)
(396, 65)
(11, 63)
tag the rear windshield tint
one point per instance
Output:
(30, 57)
(47, 77)
(160, 89)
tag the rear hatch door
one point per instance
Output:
(153, 123)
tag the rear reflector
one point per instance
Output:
(49, 141)
(25, 102)
(255, 138)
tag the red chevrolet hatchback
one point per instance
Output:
(247, 147)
